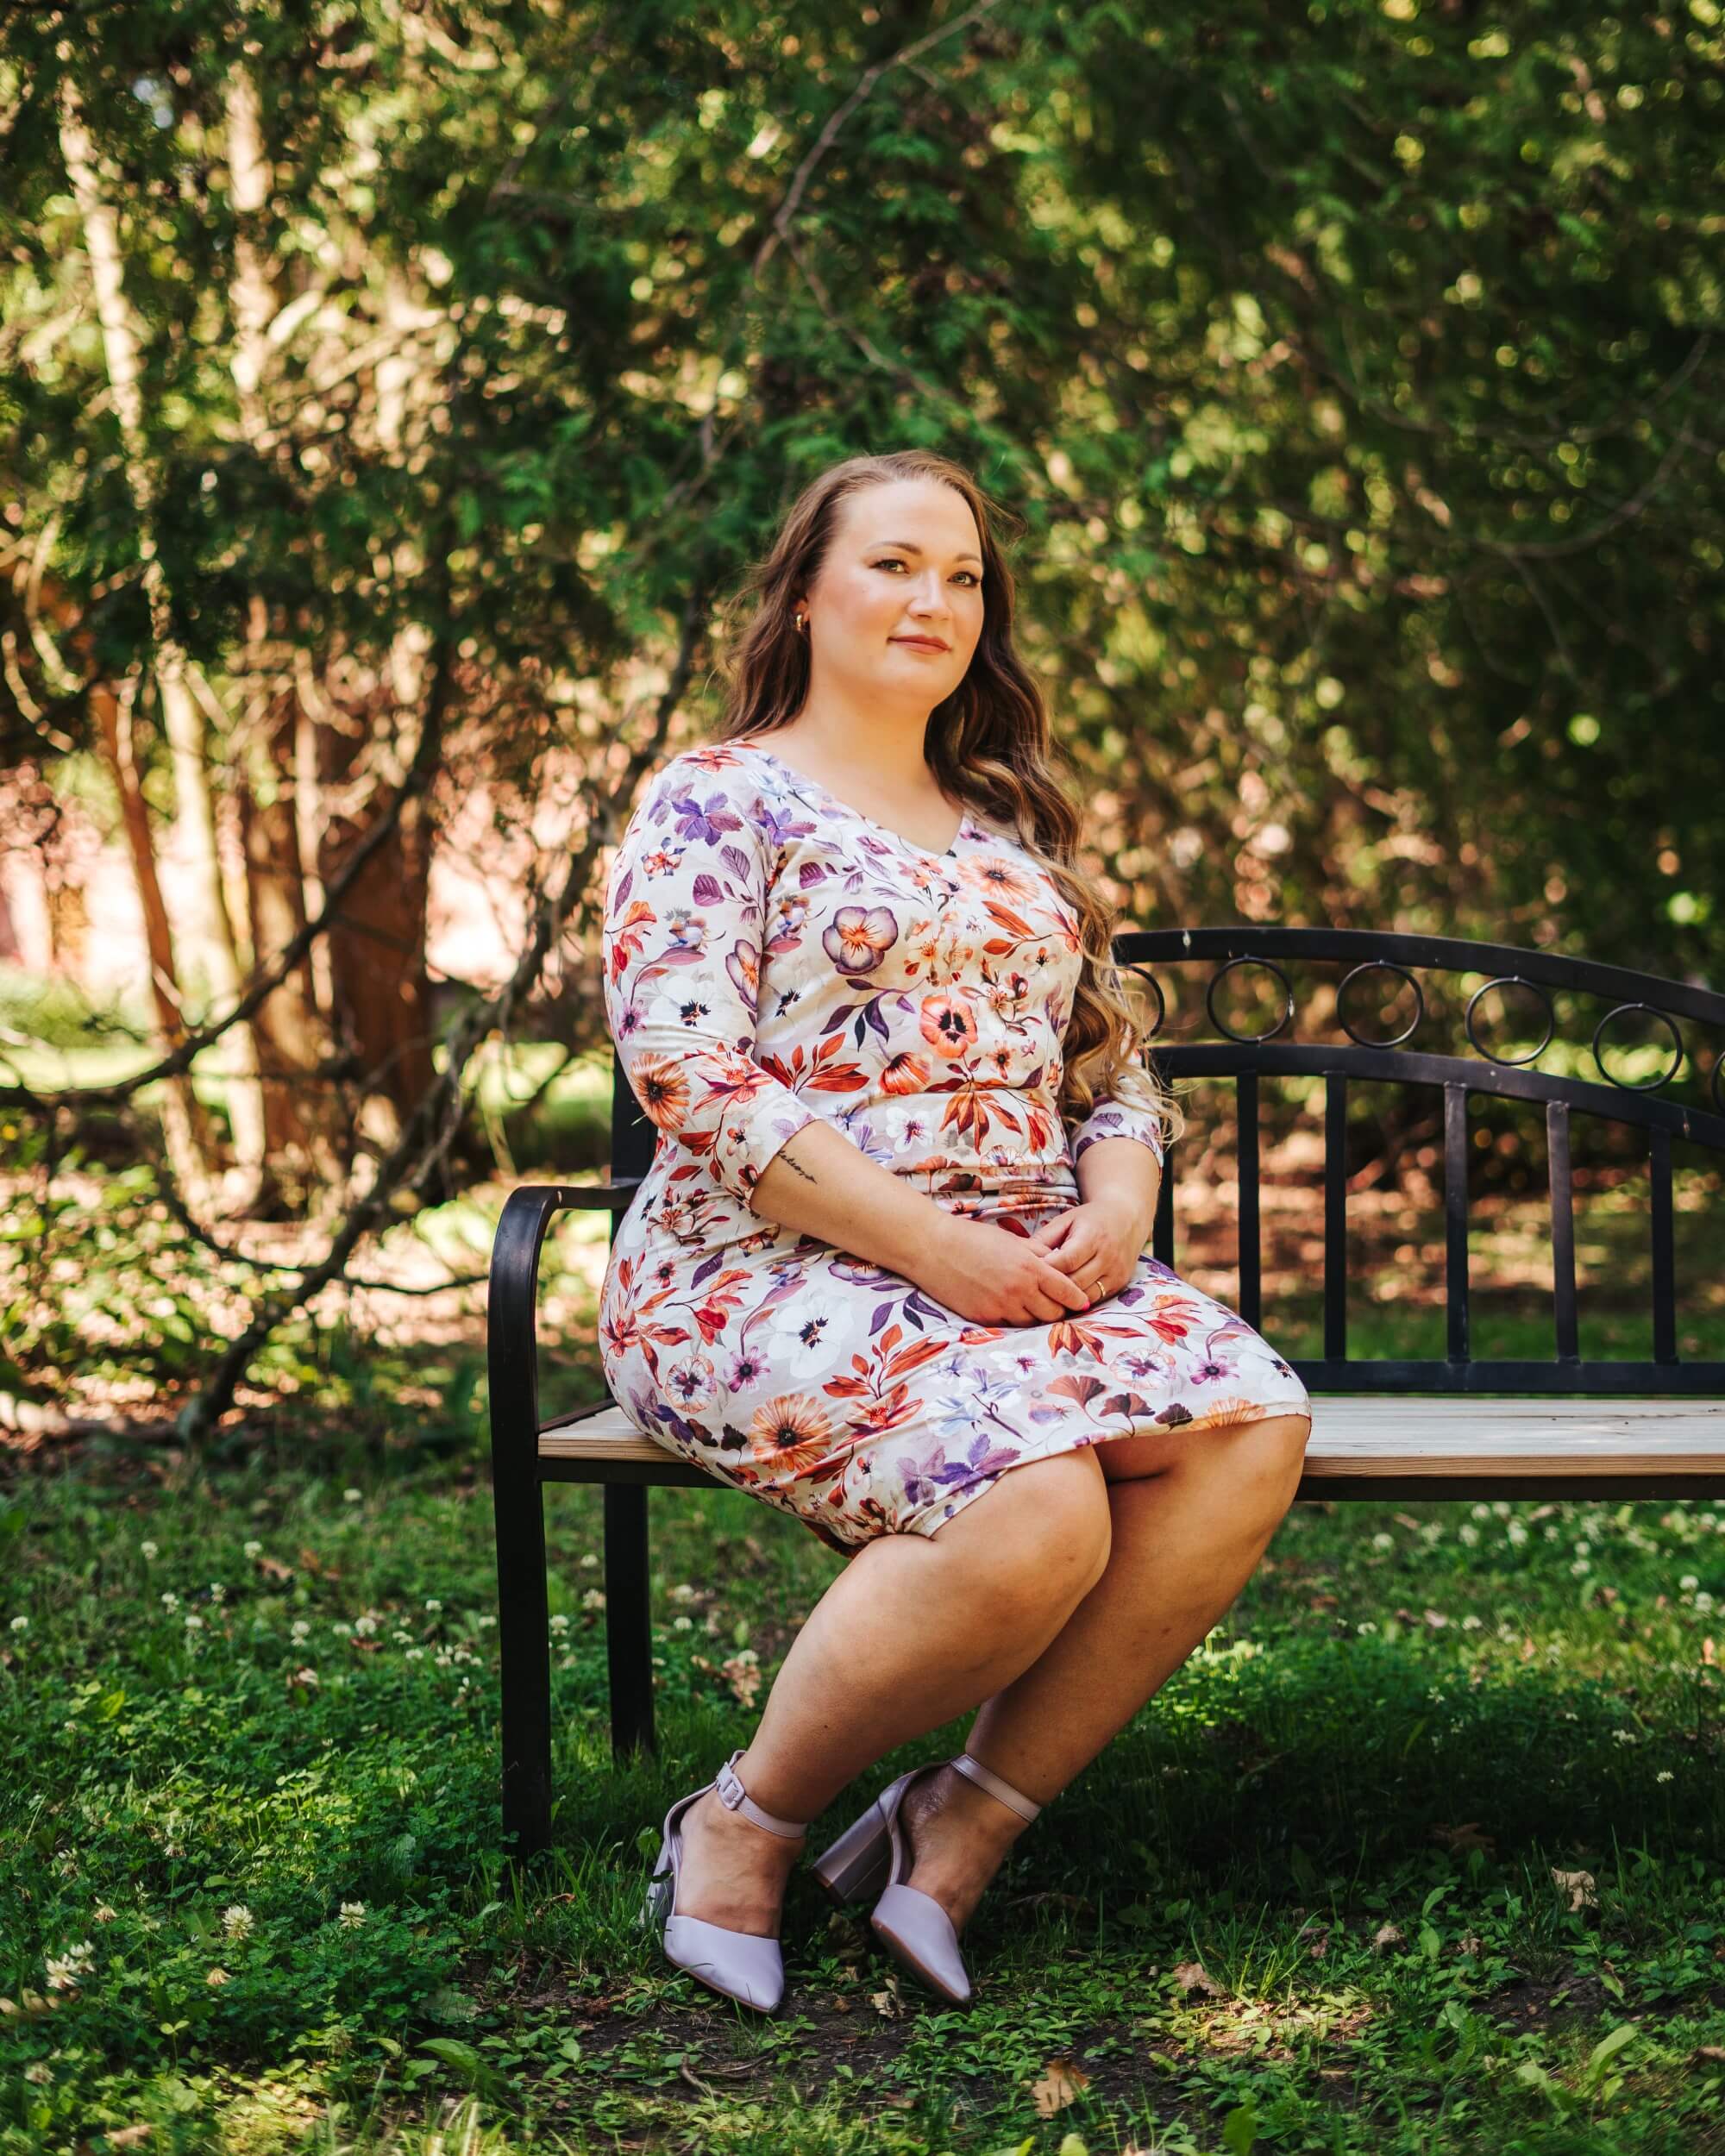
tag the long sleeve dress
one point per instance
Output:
(772, 956)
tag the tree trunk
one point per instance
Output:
(377, 954)
(302, 1113)
(185, 1129)
(182, 719)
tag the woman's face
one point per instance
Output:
(905, 561)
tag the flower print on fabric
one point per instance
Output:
(772, 956)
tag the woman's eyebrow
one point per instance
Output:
(910, 546)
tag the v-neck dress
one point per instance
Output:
(772, 956)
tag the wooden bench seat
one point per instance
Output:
(1363, 1445)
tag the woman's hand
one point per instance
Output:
(1097, 1244)
(993, 1277)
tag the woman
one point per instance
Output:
(887, 1269)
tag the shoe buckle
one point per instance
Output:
(729, 1787)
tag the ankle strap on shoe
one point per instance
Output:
(736, 1798)
(986, 1779)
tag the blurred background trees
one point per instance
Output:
(394, 392)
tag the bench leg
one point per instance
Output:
(628, 1612)
(524, 1634)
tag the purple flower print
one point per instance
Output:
(982, 1459)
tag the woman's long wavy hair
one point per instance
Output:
(988, 745)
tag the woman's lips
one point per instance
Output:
(921, 644)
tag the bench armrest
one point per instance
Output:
(512, 1330)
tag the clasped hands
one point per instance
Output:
(1076, 1259)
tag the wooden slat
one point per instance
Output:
(1364, 1434)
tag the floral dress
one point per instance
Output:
(772, 956)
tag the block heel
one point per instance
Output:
(856, 1864)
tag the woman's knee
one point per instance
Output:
(1039, 1535)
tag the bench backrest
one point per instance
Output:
(1677, 1102)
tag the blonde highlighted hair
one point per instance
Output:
(988, 745)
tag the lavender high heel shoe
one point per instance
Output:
(875, 1851)
(742, 1966)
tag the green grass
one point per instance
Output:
(1410, 1720)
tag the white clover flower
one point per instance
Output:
(400, 1637)
(560, 1622)
(365, 1625)
(1703, 1601)
(414, 1654)
(147, 1549)
(589, 1559)
(1365, 1625)
(1688, 1582)
(683, 1592)
(593, 1599)
(432, 1602)
(65, 1971)
(352, 1914)
(1468, 1533)
(1471, 1624)
(342, 1629)
(193, 1621)
(444, 1658)
(1624, 1736)
(299, 1629)
(485, 1621)
(21, 1624)
(1665, 1774)
(103, 1914)
(218, 1975)
(306, 1677)
(253, 1549)
(170, 1600)
(237, 1921)
(1383, 1541)
(1580, 1566)
(216, 1591)
(1515, 1533)
(352, 1496)
(682, 1624)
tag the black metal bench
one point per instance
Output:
(1454, 1426)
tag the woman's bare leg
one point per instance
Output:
(1192, 1514)
(916, 1629)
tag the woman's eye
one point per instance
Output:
(891, 561)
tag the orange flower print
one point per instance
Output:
(860, 937)
(790, 1432)
(947, 1024)
(904, 1072)
(662, 1087)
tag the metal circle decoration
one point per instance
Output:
(1382, 965)
(1144, 974)
(1248, 1040)
(1650, 1085)
(1509, 981)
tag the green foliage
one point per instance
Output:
(1321, 1896)
(1352, 368)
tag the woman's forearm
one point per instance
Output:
(1121, 1169)
(818, 1183)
